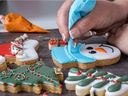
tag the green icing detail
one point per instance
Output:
(100, 84)
(86, 82)
(110, 76)
(90, 71)
(124, 78)
(74, 70)
(102, 73)
(75, 78)
(30, 75)
(114, 87)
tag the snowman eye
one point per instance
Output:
(89, 48)
(92, 52)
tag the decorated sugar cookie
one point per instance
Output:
(21, 51)
(96, 83)
(31, 78)
(85, 56)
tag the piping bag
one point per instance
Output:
(78, 10)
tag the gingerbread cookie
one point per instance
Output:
(85, 56)
(54, 42)
(96, 83)
(31, 78)
(20, 51)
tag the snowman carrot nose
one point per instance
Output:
(101, 50)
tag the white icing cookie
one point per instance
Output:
(96, 83)
(21, 51)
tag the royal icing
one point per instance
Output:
(97, 83)
(21, 48)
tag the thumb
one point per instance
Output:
(81, 27)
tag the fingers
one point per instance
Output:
(81, 27)
(62, 19)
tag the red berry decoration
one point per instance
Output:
(53, 41)
(61, 86)
(78, 73)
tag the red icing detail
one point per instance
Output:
(116, 81)
(79, 73)
(61, 86)
(62, 42)
(90, 75)
(5, 49)
(53, 41)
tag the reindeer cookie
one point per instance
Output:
(85, 56)
(21, 51)
(96, 83)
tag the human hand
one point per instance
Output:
(104, 15)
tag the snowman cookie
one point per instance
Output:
(96, 83)
(85, 55)
(21, 51)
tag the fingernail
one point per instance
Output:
(70, 32)
(74, 33)
(63, 37)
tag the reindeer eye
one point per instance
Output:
(92, 52)
(89, 48)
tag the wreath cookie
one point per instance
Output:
(96, 83)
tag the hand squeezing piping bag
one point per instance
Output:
(78, 10)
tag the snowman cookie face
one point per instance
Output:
(100, 51)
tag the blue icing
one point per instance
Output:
(62, 55)
(80, 9)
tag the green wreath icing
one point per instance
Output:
(90, 71)
(30, 75)
(100, 84)
(101, 73)
(114, 87)
(86, 82)
(74, 70)
(124, 78)
(75, 78)
(110, 76)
